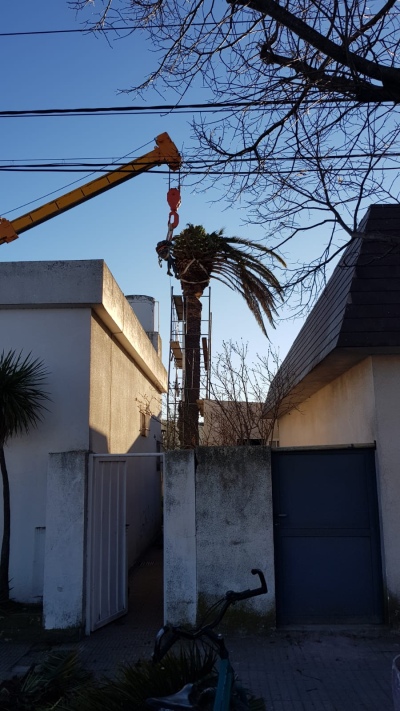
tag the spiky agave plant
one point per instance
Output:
(50, 685)
(21, 407)
(237, 263)
(134, 684)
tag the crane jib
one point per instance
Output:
(165, 152)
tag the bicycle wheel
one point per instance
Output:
(240, 698)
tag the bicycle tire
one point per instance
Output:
(239, 700)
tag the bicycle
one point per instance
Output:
(227, 692)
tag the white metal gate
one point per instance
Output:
(107, 569)
(106, 542)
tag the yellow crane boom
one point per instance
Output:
(165, 152)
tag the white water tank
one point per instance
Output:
(145, 310)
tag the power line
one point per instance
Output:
(206, 171)
(124, 28)
(340, 170)
(129, 28)
(163, 108)
(104, 110)
(63, 164)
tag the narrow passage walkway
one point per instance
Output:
(131, 637)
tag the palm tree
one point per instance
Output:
(21, 407)
(236, 262)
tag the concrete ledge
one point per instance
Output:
(82, 284)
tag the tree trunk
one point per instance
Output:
(189, 411)
(5, 546)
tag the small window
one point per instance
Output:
(144, 424)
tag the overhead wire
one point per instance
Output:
(73, 182)
(206, 171)
(65, 164)
(193, 168)
(127, 28)
(205, 168)
(100, 30)
(254, 105)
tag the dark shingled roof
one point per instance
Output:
(357, 315)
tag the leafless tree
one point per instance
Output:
(235, 414)
(310, 92)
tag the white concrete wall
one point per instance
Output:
(218, 525)
(340, 413)
(61, 338)
(102, 371)
(117, 314)
(180, 563)
(65, 551)
(119, 392)
(386, 374)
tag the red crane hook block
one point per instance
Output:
(174, 199)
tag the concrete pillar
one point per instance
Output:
(180, 578)
(218, 525)
(234, 526)
(65, 550)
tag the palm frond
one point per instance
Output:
(234, 261)
(22, 396)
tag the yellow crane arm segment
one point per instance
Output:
(165, 152)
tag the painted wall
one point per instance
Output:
(105, 380)
(61, 338)
(120, 395)
(65, 593)
(122, 399)
(342, 412)
(65, 550)
(180, 562)
(361, 407)
(217, 527)
(386, 374)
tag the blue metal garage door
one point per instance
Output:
(327, 549)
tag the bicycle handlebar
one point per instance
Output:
(169, 634)
(245, 594)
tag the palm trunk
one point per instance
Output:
(5, 546)
(189, 411)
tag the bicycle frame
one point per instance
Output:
(226, 677)
(224, 686)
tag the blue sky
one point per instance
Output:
(124, 225)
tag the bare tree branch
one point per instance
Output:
(235, 413)
(317, 139)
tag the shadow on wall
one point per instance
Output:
(146, 429)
